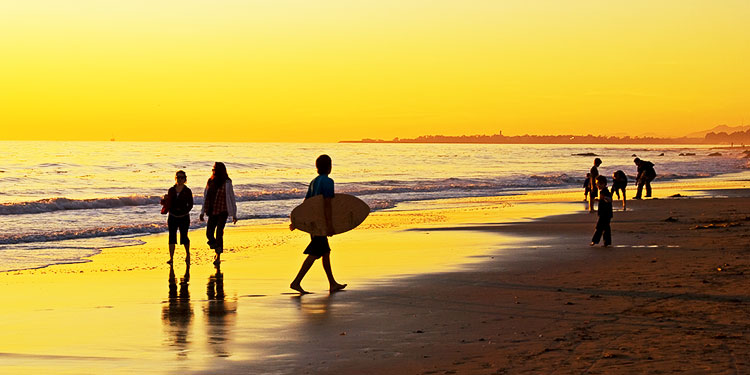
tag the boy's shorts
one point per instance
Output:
(318, 246)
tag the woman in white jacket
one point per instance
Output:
(218, 203)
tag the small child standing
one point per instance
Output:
(604, 212)
(586, 187)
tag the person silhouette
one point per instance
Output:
(218, 203)
(179, 202)
(604, 211)
(619, 183)
(646, 174)
(594, 174)
(319, 247)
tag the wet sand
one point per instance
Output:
(669, 298)
(462, 287)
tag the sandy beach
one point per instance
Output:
(496, 285)
(471, 130)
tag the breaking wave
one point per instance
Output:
(372, 189)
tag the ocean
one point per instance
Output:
(62, 201)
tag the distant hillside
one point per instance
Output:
(719, 129)
(738, 137)
(536, 139)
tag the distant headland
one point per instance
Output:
(739, 137)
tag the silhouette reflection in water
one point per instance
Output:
(177, 313)
(220, 314)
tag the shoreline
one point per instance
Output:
(380, 324)
(710, 186)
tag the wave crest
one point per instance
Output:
(59, 204)
(118, 230)
(374, 190)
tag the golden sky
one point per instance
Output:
(323, 71)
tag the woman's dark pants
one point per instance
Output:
(216, 224)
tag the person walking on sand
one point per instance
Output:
(619, 183)
(179, 202)
(646, 174)
(604, 212)
(218, 203)
(594, 173)
(318, 247)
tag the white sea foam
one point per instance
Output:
(96, 193)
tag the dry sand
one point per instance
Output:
(443, 291)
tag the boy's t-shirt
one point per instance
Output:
(321, 185)
(594, 171)
(605, 205)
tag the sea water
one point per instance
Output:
(62, 201)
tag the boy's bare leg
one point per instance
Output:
(334, 286)
(296, 284)
(171, 253)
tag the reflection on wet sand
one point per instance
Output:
(220, 315)
(177, 314)
(315, 309)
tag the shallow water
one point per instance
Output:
(62, 201)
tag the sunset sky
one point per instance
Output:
(324, 71)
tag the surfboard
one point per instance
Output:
(347, 212)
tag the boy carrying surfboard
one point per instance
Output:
(318, 247)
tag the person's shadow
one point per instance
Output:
(220, 314)
(177, 313)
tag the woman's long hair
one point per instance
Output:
(218, 178)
